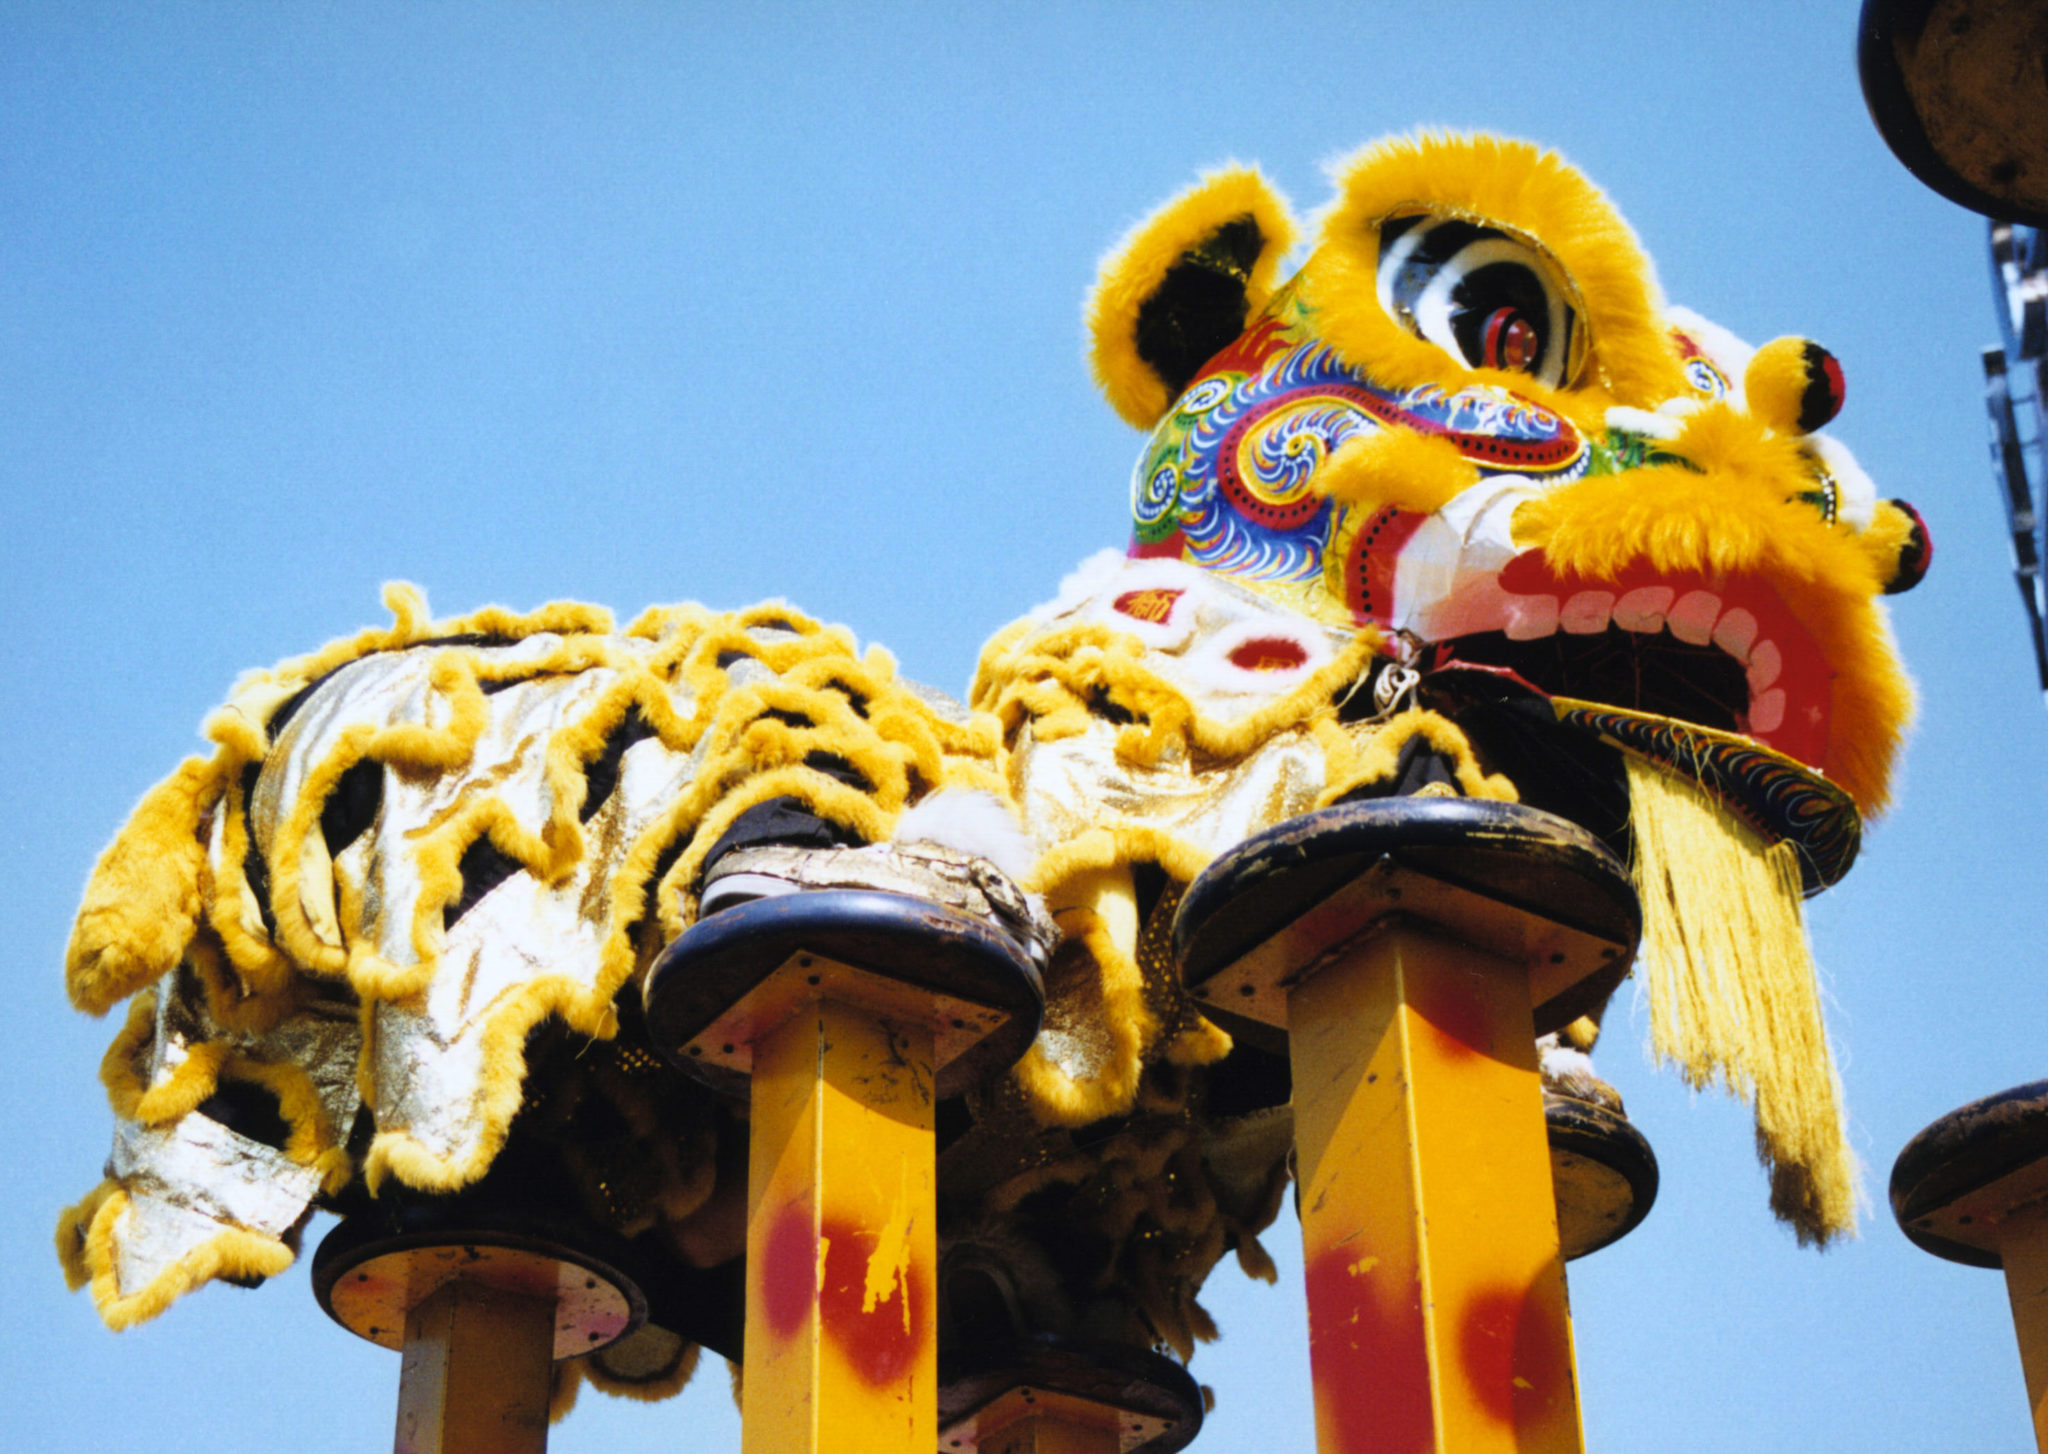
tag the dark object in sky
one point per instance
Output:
(1959, 91)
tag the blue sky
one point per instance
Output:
(651, 303)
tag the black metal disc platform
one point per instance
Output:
(1957, 1180)
(1603, 1171)
(375, 1266)
(1522, 884)
(1158, 1405)
(981, 992)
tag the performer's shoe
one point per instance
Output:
(1568, 1072)
(928, 871)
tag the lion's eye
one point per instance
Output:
(1483, 296)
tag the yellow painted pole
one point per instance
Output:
(1437, 1310)
(2023, 1248)
(475, 1374)
(841, 1355)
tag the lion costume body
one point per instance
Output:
(1461, 508)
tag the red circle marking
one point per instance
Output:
(789, 1272)
(1368, 1359)
(882, 1342)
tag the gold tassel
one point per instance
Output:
(1734, 995)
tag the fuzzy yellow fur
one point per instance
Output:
(1734, 997)
(1135, 267)
(571, 1373)
(1086, 882)
(1522, 189)
(85, 1246)
(313, 1139)
(1733, 516)
(1395, 468)
(1374, 755)
(898, 745)
(142, 902)
(1045, 675)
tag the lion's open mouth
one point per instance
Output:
(1722, 652)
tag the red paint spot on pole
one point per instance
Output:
(1458, 1013)
(789, 1272)
(1512, 1344)
(1368, 1358)
(881, 1342)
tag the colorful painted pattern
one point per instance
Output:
(1227, 482)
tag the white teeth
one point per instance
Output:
(1586, 612)
(1735, 633)
(1643, 609)
(1693, 615)
(1767, 712)
(1530, 618)
(1764, 666)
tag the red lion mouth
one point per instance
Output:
(1718, 651)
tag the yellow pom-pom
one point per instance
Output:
(1793, 385)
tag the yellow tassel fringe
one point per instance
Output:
(1734, 995)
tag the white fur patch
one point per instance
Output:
(1727, 353)
(970, 822)
(1222, 662)
(1154, 600)
(1561, 1062)
(1083, 581)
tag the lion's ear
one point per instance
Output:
(1180, 288)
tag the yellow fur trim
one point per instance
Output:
(1137, 265)
(1522, 189)
(122, 1067)
(232, 1252)
(1734, 997)
(1395, 468)
(1378, 757)
(1047, 676)
(1098, 911)
(73, 1225)
(1733, 516)
(502, 1078)
(142, 902)
(196, 1077)
(676, 1356)
(312, 1140)
(858, 713)
(1086, 881)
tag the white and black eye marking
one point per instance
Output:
(1480, 294)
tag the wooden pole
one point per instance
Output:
(841, 1356)
(1437, 1311)
(476, 1371)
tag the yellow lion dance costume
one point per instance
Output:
(1460, 508)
